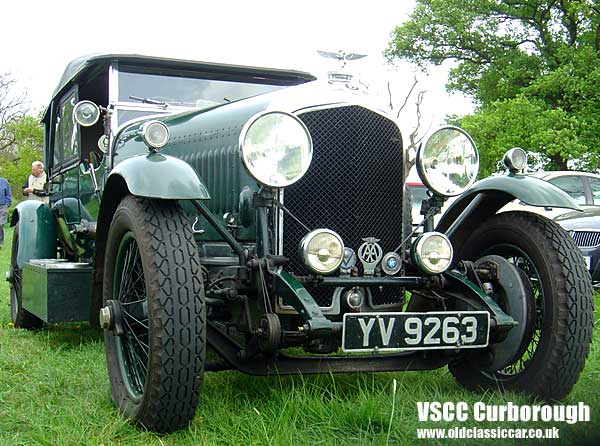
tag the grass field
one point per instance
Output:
(54, 390)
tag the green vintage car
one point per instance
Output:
(258, 215)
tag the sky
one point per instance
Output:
(45, 36)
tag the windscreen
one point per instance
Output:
(172, 90)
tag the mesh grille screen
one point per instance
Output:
(353, 186)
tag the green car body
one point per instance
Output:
(233, 242)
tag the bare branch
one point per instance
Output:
(413, 136)
(407, 97)
(414, 139)
(13, 106)
(390, 95)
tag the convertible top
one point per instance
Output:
(92, 63)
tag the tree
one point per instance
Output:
(532, 66)
(13, 107)
(27, 138)
(21, 136)
(415, 137)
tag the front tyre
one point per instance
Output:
(555, 353)
(154, 314)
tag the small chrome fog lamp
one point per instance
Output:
(322, 251)
(86, 113)
(103, 143)
(515, 159)
(432, 252)
(155, 134)
(355, 298)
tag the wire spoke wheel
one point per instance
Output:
(556, 344)
(153, 306)
(130, 289)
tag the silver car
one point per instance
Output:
(582, 187)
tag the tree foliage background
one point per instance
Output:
(532, 67)
(21, 135)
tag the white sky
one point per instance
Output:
(40, 38)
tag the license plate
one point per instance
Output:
(390, 332)
(588, 262)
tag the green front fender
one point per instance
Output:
(530, 190)
(160, 176)
(37, 231)
(487, 196)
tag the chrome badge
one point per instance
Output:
(370, 253)
(348, 262)
(391, 263)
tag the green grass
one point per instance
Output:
(54, 390)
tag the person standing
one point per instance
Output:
(36, 183)
(5, 201)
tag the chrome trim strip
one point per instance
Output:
(573, 232)
(113, 83)
(113, 97)
(279, 224)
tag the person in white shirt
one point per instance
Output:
(36, 182)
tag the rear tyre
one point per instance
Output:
(558, 346)
(21, 318)
(152, 283)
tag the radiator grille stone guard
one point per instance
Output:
(353, 186)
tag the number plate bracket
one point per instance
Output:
(502, 321)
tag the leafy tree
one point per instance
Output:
(15, 160)
(532, 66)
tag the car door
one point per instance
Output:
(66, 158)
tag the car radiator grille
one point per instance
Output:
(586, 239)
(353, 186)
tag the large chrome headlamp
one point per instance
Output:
(322, 251)
(276, 148)
(448, 162)
(432, 252)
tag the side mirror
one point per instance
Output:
(86, 113)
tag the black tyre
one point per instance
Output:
(559, 341)
(152, 282)
(21, 318)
